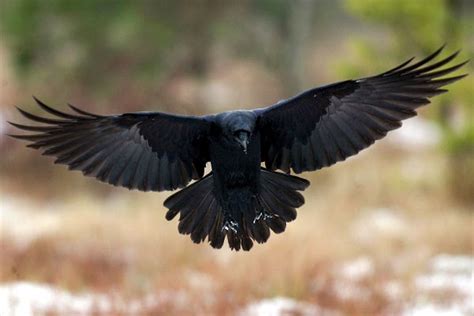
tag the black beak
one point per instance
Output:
(243, 139)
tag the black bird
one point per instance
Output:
(239, 199)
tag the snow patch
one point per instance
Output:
(348, 276)
(358, 269)
(28, 299)
(279, 306)
(416, 134)
(393, 290)
(21, 223)
(346, 290)
(380, 223)
(446, 289)
(453, 264)
(433, 310)
(449, 273)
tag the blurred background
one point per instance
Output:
(388, 232)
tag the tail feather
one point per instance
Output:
(279, 196)
(258, 230)
(182, 201)
(201, 214)
(276, 206)
(216, 236)
(202, 226)
(193, 221)
(277, 225)
(285, 180)
(198, 230)
(287, 195)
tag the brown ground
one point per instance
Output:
(389, 207)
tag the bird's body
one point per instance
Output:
(233, 166)
(235, 188)
(236, 173)
(239, 200)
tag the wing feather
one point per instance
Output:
(324, 125)
(145, 151)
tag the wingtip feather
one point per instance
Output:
(82, 112)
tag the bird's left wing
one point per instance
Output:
(324, 125)
(146, 150)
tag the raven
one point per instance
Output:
(239, 199)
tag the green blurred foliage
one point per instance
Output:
(420, 23)
(97, 45)
(422, 26)
(122, 51)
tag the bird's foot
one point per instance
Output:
(230, 224)
(262, 215)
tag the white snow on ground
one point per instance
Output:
(453, 264)
(26, 299)
(17, 220)
(347, 277)
(282, 306)
(380, 223)
(31, 299)
(433, 310)
(446, 289)
(393, 290)
(416, 134)
(358, 269)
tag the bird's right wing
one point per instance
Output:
(146, 151)
(324, 125)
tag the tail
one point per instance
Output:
(201, 214)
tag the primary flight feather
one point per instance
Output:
(239, 200)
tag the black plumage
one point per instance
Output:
(239, 200)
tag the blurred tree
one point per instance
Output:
(123, 55)
(81, 42)
(125, 51)
(423, 25)
(98, 45)
(295, 21)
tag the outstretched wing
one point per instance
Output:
(324, 125)
(145, 151)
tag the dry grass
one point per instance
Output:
(120, 242)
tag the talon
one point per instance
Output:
(263, 214)
(257, 217)
(267, 215)
(230, 224)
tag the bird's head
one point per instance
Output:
(238, 127)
